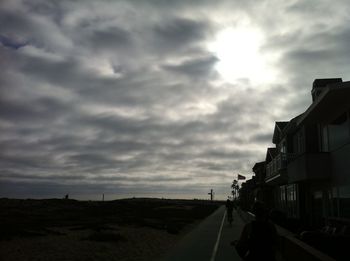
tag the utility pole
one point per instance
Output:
(211, 193)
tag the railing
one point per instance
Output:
(277, 164)
(295, 169)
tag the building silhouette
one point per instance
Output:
(306, 175)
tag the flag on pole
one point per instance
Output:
(240, 177)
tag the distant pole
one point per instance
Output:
(211, 193)
(103, 197)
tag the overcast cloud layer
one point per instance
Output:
(124, 97)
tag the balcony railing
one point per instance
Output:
(276, 165)
(299, 166)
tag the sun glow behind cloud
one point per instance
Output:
(238, 51)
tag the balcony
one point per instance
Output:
(308, 166)
(276, 167)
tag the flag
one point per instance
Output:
(240, 177)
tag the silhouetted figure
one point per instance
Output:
(258, 238)
(278, 217)
(66, 196)
(229, 210)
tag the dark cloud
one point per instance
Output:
(322, 49)
(201, 67)
(110, 38)
(92, 159)
(49, 189)
(65, 72)
(11, 43)
(42, 109)
(15, 23)
(313, 8)
(26, 27)
(24, 161)
(52, 9)
(179, 33)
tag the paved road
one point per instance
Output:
(210, 240)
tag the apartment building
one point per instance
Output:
(307, 174)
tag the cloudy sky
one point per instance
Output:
(154, 98)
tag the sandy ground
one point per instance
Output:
(140, 243)
(97, 232)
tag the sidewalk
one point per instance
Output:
(230, 233)
(210, 240)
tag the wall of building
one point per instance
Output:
(309, 166)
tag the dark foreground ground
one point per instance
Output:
(129, 229)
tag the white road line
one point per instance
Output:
(218, 239)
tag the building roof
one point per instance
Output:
(258, 165)
(330, 103)
(270, 154)
(279, 126)
(292, 125)
(320, 83)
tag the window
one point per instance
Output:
(292, 203)
(325, 139)
(283, 147)
(341, 201)
(344, 201)
(282, 197)
(299, 141)
(318, 208)
(339, 131)
(334, 202)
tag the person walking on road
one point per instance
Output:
(258, 238)
(229, 210)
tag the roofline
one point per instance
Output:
(315, 104)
